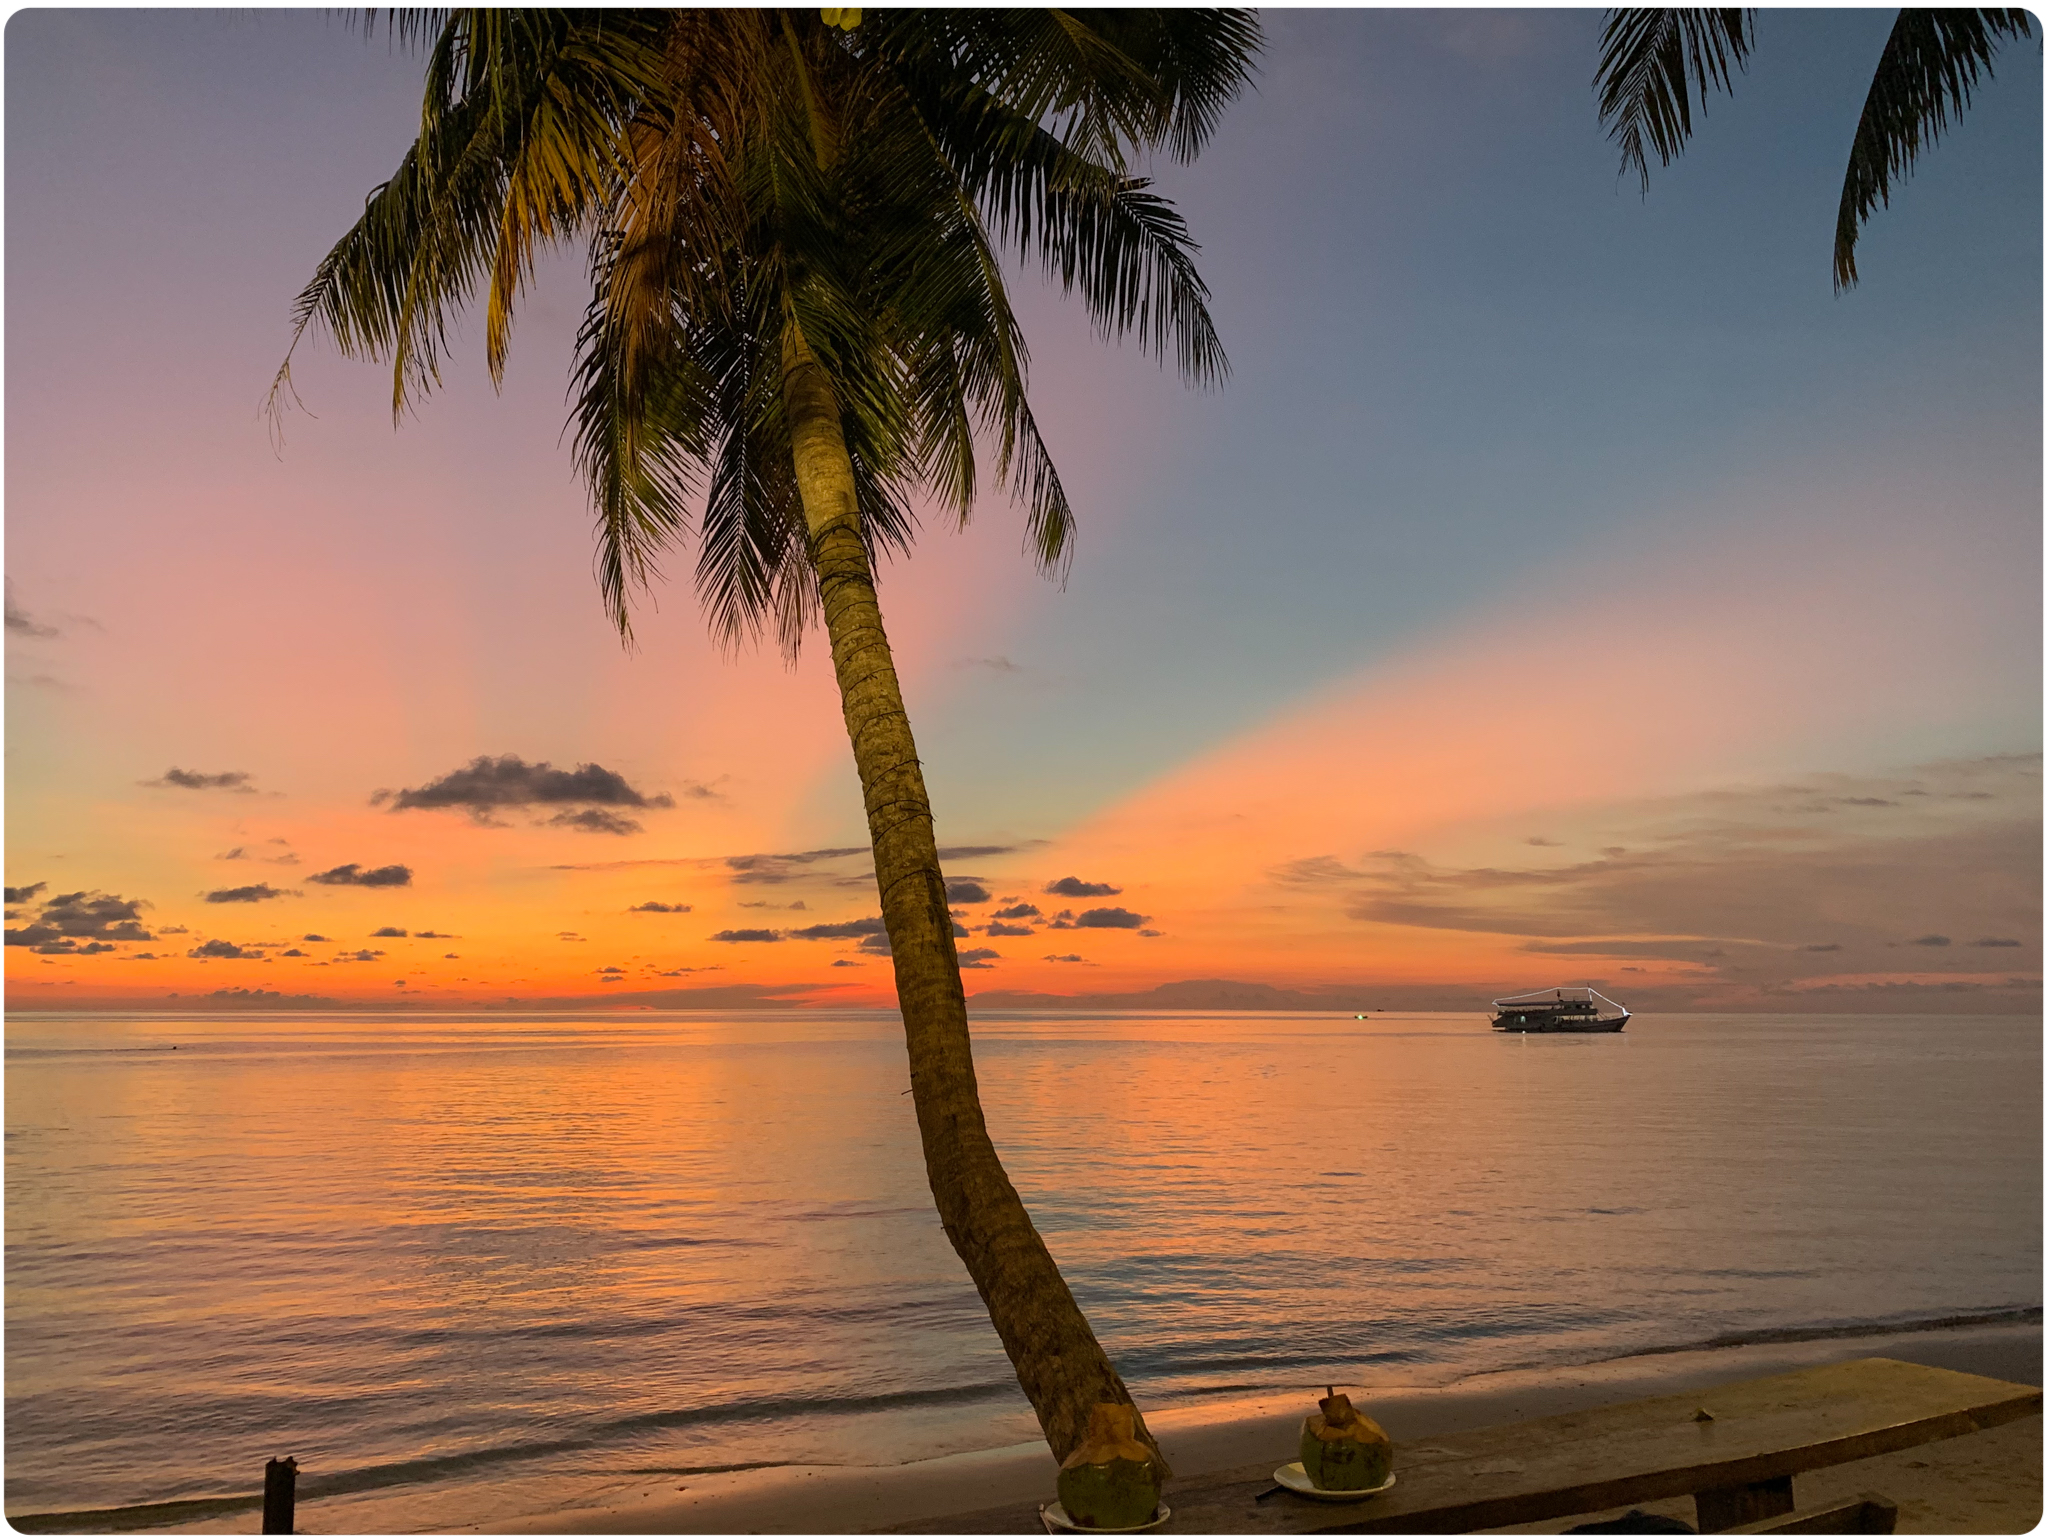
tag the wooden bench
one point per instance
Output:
(1735, 1448)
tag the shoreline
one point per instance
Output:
(1248, 1431)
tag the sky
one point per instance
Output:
(1566, 586)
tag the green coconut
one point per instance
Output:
(1111, 1479)
(1343, 1450)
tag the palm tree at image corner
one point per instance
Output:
(1650, 59)
(795, 224)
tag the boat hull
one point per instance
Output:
(1537, 1026)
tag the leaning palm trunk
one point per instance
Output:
(1058, 1360)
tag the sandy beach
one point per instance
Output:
(1988, 1482)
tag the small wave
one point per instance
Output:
(434, 1469)
(2010, 1316)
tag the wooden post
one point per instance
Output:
(1719, 1509)
(278, 1492)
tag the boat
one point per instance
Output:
(1559, 1011)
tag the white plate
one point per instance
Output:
(1294, 1478)
(1055, 1519)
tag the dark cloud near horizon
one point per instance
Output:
(596, 819)
(429, 933)
(1995, 944)
(1016, 910)
(1820, 949)
(775, 868)
(1068, 885)
(967, 892)
(746, 936)
(486, 784)
(978, 850)
(1110, 917)
(1007, 931)
(86, 915)
(221, 949)
(388, 933)
(978, 959)
(355, 874)
(20, 893)
(247, 893)
(267, 999)
(181, 778)
(859, 928)
(1933, 940)
(660, 906)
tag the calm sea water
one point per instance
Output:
(445, 1261)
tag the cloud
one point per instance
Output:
(966, 892)
(428, 933)
(221, 949)
(294, 954)
(1541, 842)
(1017, 909)
(239, 853)
(180, 778)
(1995, 944)
(315, 938)
(18, 893)
(1110, 917)
(660, 906)
(257, 996)
(1069, 886)
(1007, 931)
(486, 784)
(360, 955)
(981, 850)
(67, 947)
(355, 874)
(390, 933)
(596, 819)
(21, 625)
(248, 893)
(876, 944)
(775, 868)
(859, 928)
(1066, 959)
(88, 915)
(836, 963)
(1745, 872)
(746, 936)
(978, 959)
(611, 970)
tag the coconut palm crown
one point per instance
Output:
(1650, 59)
(798, 331)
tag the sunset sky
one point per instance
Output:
(1567, 585)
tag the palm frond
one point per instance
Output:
(1649, 61)
(1929, 67)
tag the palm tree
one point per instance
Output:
(1929, 67)
(798, 325)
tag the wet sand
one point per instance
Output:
(1990, 1481)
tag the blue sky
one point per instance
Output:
(1480, 386)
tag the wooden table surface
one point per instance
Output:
(1757, 1431)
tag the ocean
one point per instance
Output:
(467, 1266)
